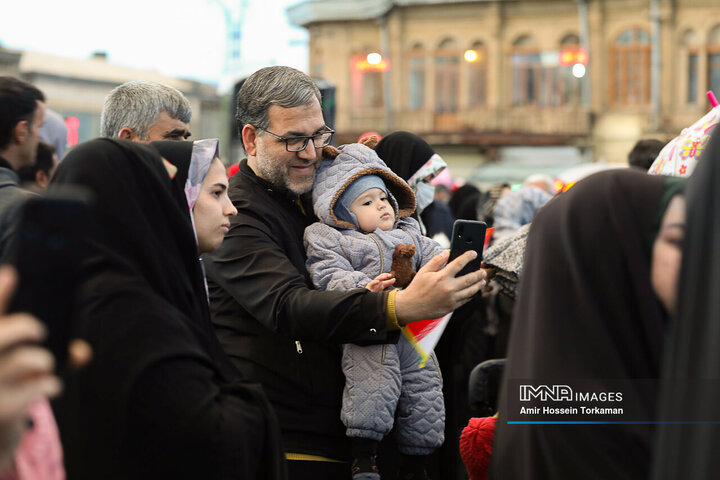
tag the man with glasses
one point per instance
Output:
(276, 329)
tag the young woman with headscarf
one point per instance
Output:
(203, 177)
(160, 399)
(587, 316)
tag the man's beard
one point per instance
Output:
(278, 174)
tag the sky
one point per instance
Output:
(182, 38)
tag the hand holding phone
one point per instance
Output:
(48, 246)
(468, 235)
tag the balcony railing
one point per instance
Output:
(570, 121)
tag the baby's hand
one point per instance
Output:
(381, 282)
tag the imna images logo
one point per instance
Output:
(544, 393)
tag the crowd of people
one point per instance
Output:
(252, 326)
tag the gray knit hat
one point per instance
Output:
(353, 191)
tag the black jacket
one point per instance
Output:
(275, 327)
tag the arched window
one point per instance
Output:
(526, 71)
(447, 70)
(630, 68)
(690, 44)
(367, 82)
(416, 77)
(714, 60)
(566, 87)
(476, 58)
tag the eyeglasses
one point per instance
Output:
(298, 144)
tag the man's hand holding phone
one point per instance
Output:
(468, 235)
(436, 291)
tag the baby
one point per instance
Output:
(364, 211)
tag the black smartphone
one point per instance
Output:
(468, 235)
(47, 251)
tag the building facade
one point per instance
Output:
(488, 74)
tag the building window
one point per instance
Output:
(476, 58)
(690, 46)
(566, 87)
(630, 67)
(692, 87)
(526, 72)
(367, 84)
(714, 60)
(447, 70)
(416, 77)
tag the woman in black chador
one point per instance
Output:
(588, 316)
(690, 385)
(159, 399)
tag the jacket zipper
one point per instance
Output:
(382, 257)
(298, 347)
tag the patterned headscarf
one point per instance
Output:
(203, 153)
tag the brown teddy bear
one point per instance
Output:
(401, 267)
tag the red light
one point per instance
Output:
(72, 124)
(581, 57)
(365, 66)
(572, 56)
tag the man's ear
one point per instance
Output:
(20, 132)
(126, 133)
(41, 179)
(249, 138)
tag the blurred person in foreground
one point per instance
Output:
(26, 380)
(160, 398)
(690, 381)
(590, 316)
(145, 111)
(276, 328)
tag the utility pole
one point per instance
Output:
(234, 13)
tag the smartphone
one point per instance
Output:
(468, 235)
(47, 252)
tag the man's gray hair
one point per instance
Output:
(281, 86)
(137, 104)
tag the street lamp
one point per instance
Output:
(374, 58)
(578, 70)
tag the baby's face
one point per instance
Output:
(373, 210)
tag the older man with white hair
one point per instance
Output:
(145, 111)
